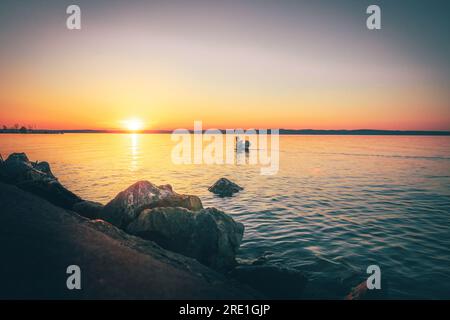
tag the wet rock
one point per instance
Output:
(36, 178)
(128, 204)
(88, 209)
(273, 281)
(208, 235)
(225, 188)
(260, 260)
(361, 292)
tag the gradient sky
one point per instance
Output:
(263, 64)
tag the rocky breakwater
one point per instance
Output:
(176, 222)
(37, 178)
(41, 224)
(173, 231)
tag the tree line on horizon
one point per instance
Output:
(17, 128)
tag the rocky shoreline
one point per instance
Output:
(147, 242)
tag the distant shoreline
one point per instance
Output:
(360, 132)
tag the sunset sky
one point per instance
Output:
(263, 64)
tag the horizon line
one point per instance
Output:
(281, 131)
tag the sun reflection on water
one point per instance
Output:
(134, 152)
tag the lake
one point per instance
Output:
(337, 204)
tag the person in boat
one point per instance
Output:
(240, 145)
(247, 145)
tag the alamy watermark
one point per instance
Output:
(374, 280)
(373, 22)
(231, 146)
(73, 21)
(73, 281)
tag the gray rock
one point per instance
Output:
(225, 188)
(44, 167)
(209, 235)
(36, 178)
(128, 204)
(273, 281)
(88, 209)
(17, 168)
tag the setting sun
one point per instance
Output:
(133, 124)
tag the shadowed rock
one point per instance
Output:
(88, 209)
(36, 178)
(225, 188)
(128, 204)
(274, 282)
(209, 235)
(39, 241)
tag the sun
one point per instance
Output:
(133, 124)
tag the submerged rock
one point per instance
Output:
(361, 292)
(209, 235)
(37, 178)
(274, 282)
(225, 188)
(88, 209)
(128, 204)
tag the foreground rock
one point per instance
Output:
(176, 222)
(225, 188)
(274, 282)
(88, 209)
(209, 235)
(128, 204)
(36, 178)
(39, 241)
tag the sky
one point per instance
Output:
(231, 64)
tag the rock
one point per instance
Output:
(263, 259)
(128, 204)
(36, 178)
(17, 168)
(208, 235)
(225, 188)
(357, 292)
(44, 167)
(361, 292)
(114, 265)
(88, 209)
(274, 282)
(51, 191)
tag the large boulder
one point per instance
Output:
(209, 235)
(273, 281)
(37, 178)
(128, 204)
(225, 188)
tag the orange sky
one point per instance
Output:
(255, 72)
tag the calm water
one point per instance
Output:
(337, 204)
